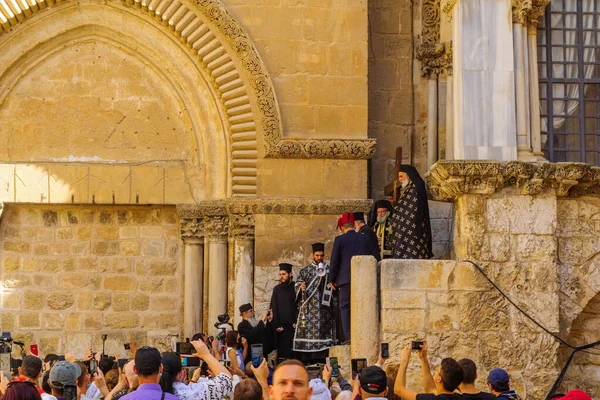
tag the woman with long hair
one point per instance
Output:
(18, 390)
(232, 355)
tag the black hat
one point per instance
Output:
(245, 307)
(359, 216)
(147, 361)
(286, 267)
(373, 380)
(383, 204)
(318, 247)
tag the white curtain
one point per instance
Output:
(569, 54)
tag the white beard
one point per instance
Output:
(253, 321)
(381, 220)
(405, 184)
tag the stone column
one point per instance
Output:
(432, 122)
(449, 118)
(216, 233)
(241, 230)
(192, 234)
(537, 12)
(520, 9)
(364, 312)
(484, 81)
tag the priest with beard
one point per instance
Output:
(255, 331)
(410, 220)
(285, 312)
(381, 222)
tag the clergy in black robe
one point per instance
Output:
(315, 329)
(411, 229)
(255, 331)
(364, 229)
(380, 221)
(285, 313)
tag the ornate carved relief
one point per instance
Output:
(435, 57)
(241, 226)
(180, 16)
(520, 10)
(449, 179)
(538, 10)
(192, 230)
(448, 8)
(216, 228)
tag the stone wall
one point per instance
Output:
(461, 315)
(71, 274)
(442, 229)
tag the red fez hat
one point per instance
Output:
(346, 218)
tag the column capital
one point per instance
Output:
(538, 10)
(241, 226)
(216, 228)
(192, 230)
(448, 8)
(520, 10)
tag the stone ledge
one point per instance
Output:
(447, 180)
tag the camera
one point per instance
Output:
(416, 344)
(223, 324)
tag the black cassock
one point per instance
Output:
(260, 334)
(285, 313)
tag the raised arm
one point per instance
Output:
(428, 383)
(400, 388)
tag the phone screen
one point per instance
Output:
(335, 368)
(385, 350)
(357, 365)
(93, 367)
(256, 354)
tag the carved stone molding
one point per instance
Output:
(207, 207)
(449, 179)
(192, 230)
(448, 8)
(435, 57)
(538, 10)
(216, 228)
(520, 10)
(241, 226)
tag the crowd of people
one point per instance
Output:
(151, 375)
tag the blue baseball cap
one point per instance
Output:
(498, 377)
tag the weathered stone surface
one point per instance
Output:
(120, 283)
(124, 320)
(412, 274)
(60, 300)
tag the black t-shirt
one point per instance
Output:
(478, 396)
(431, 396)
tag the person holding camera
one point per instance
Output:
(255, 331)
(441, 386)
(285, 312)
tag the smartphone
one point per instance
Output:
(314, 372)
(93, 368)
(357, 365)
(190, 361)
(184, 348)
(385, 350)
(256, 351)
(335, 367)
(70, 392)
(127, 346)
(122, 362)
(33, 349)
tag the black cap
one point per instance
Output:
(359, 216)
(245, 307)
(383, 204)
(285, 267)
(373, 380)
(147, 361)
(318, 247)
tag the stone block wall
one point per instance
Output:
(462, 316)
(72, 273)
(442, 226)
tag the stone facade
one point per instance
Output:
(70, 274)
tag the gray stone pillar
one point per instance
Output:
(216, 233)
(242, 236)
(192, 234)
(364, 312)
(432, 122)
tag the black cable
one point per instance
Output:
(558, 338)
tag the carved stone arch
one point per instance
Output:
(236, 71)
(435, 56)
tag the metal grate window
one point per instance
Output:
(569, 72)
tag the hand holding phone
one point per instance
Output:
(33, 349)
(256, 352)
(335, 368)
(385, 350)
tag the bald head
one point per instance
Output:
(132, 378)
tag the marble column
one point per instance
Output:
(432, 122)
(216, 234)
(364, 311)
(192, 234)
(449, 118)
(242, 233)
(483, 80)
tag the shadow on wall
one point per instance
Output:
(442, 229)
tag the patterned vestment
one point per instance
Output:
(315, 329)
(408, 227)
(384, 236)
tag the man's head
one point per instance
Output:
(148, 363)
(318, 252)
(373, 382)
(285, 272)
(359, 220)
(498, 381)
(83, 378)
(201, 336)
(448, 376)
(469, 371)
(247, 311)
(63, 373)
(383, 208)
(130, 375)
(346, 222)
(49, 361)
(247, 389)
(403, 178)
(106, 364)
(31, 368)
(290, 381)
